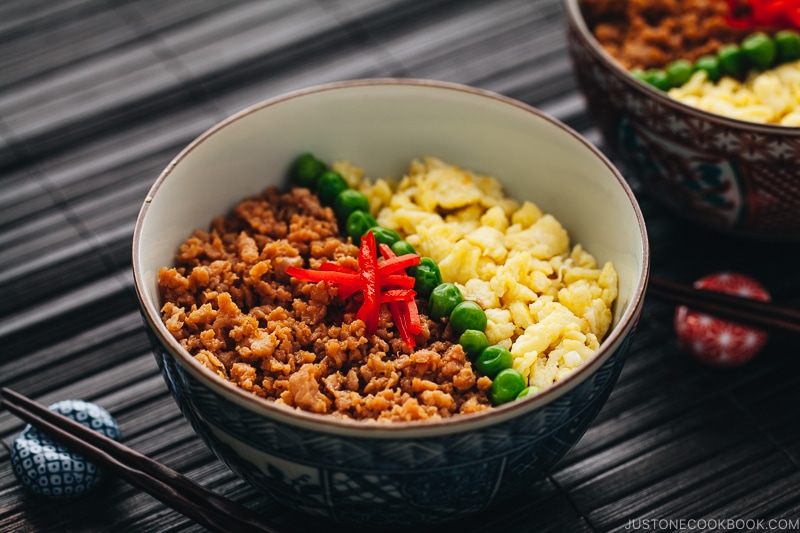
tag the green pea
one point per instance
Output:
(402, 248)
(444, 297)
(493, 359)
(638, 74)
(657, 78)
(528, 391)
(305, 170)
(788, 44)
(329, 185)
(679, 72)
(349, 200)
(358, 224)
(709, 64)
(473, 341)
(468, 315)
(759, 50)
(426, 275)
(507, 385)
(385, 235)
(731, 59)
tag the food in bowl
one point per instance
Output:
(768, 97)
(642, 34)
(304, 299)
(735, 59)
(385, 474)
(725, 174)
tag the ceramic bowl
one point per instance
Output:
(731, 176)
(398, 473)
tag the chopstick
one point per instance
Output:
(768, 316)
(210, 510)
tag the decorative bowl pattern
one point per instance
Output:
(382, 482)
(399, 473)
(729, 175)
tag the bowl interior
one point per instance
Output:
(381, 125)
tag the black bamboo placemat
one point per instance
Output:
(96, 96)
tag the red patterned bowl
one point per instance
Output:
(738, 177)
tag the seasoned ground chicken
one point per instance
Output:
(651, 33)
(230, 303)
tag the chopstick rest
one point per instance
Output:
(207, 508)
(48, 468)
(718, 342)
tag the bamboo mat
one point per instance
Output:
(96, 96)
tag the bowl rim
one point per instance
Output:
(403, 429)
(576, 20)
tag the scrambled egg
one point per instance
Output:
(547, 302)
(771, 97)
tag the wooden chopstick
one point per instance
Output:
(172, 488)
(768, 316)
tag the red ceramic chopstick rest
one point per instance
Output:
(48, 468)
(718, 342)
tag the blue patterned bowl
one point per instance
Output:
(735, 177)
(399, 473)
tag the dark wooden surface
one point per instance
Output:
(96, 96)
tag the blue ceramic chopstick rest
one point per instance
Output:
(50, 469)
